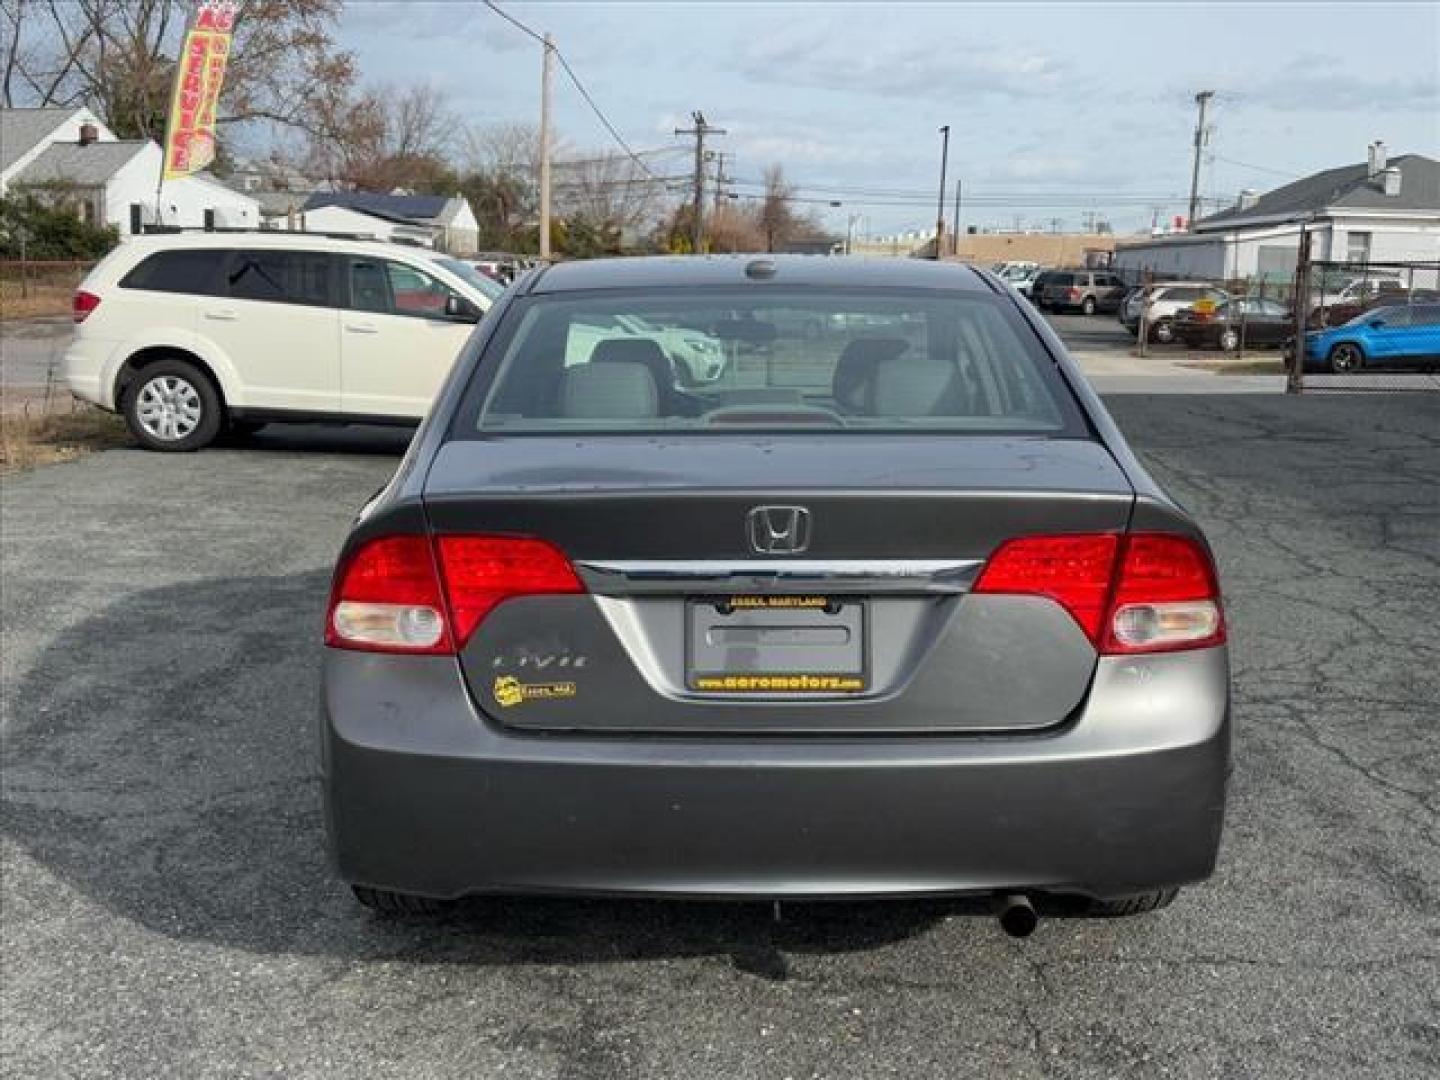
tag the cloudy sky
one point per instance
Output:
(1055, 109)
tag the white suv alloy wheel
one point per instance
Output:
(169, 408)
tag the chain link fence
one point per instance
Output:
(1366, 326)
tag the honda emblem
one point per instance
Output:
(779, 530)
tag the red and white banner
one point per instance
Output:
(190, 132)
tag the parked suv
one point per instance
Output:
(1335, 303)
(1083, 290)
(1166, 300)
(189, 334)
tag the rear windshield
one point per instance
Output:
(1060, 279)
(681, 359)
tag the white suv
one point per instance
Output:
(1166, 301)
(188, 334)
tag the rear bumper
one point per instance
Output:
(425, 796)
(85, 366)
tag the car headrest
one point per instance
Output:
(914, 387)
(618, 390)
(856, 367)
(634, 350)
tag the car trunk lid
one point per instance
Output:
(687, 627)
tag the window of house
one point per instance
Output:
(1357, 247)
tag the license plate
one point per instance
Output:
(779, 645)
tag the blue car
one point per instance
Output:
(1383, 336)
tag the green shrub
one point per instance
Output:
(49, 232)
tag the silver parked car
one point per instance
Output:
(1085, 291)
(895, 613)
(1167, 300)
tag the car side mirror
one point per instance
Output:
(459, 309)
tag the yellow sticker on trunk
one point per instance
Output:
(509, 690)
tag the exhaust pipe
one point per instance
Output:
(1017, 915)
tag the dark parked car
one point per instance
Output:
(893, 613)
(1087, 291)
(1036, 292)
(1253, 320)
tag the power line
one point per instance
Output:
(1255, 168)
(569, 71)
(1077, 200)
(1039, 196)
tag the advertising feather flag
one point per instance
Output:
(190, 130)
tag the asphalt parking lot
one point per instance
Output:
(168, 910)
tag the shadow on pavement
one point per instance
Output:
(174, 780)
(328, 438)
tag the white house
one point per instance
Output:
(446, 222)
(1380, 211)
(342, 219)
(67, 156)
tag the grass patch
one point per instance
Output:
(40, 299)
(45, 439)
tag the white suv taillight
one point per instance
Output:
(84, 303)
(1135, 593)
(407, 594)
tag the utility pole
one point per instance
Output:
(545, 71)
(850, 232)
(720, 180)
(1203, 100)
(1294, 377)
(955, 243)
(699, 131)
(940, 210)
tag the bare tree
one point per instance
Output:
(12, 24)
(610, 191)
(118, 57)
(383, 138)
(504, 146)
(736, 228)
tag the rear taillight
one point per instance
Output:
(1074, 571)
(1074, 294)
(84, 303)
(1166, 597)
(1144, 592)
(481, 572)
(405, 594)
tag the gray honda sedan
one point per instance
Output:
(887, 608)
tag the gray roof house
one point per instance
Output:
(1381, 210)
(69, 158)
(448, 218)
(80, 164)
(1406, 183)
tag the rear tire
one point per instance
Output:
(172, 406)
(1121, 907)
(393, 903)
(1088, 307)
(1163, 332)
